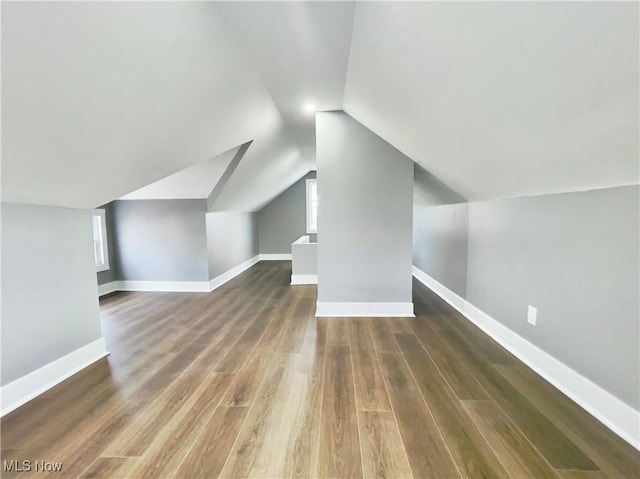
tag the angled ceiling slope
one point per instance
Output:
(193, 182)
(100, 99)
(301, 51)
(502, 99)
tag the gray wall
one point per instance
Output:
(439, 233)
(428, 190)
(49, 291)
(304, 259)
(440, 244)
(161, 240)
(284, 219)
(113, 273)
(574, 256)
(365, 190)
(232, 239)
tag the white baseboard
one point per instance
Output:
(232, 273)
(275, 256)
(20, 391)
(341, 310)
(165, 286)
(618, 416)
(107, 288)
(304, 279)
(178, 286)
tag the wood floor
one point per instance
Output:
(245, 382)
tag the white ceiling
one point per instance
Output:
(100, 99)
(301, 51)
(194, 182)
(502, 99)
(494, 99)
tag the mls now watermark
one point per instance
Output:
(28, 465)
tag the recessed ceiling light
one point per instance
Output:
(310, 107)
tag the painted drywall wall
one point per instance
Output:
(284, 219)
(161, 240)
(495, 118)
(440, 244)
(304, 258)
(163, 86)
(575, 257)
(439, 232)
(42, 322)
(365, 191)
(113, 273)
(430, 191)
(232, 239)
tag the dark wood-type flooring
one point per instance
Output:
(246, 382)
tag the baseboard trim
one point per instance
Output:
(618, 416)
(107, 288)
(232, 273)
(23, 390)
(333, 310)
(275, 256)
(304, 279)
(165, 286)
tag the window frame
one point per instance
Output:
(102, 214)
(309, 206)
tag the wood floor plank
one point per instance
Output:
(251, 374)
(542, 433)
(513, 449)
(253, 454)
(109, 468)
(469, 449)
(145, 426)
(461, 380)
(371, 394)
(311, 361)
(172, 444)
(382, 337)
(245, 382)
(383, 454)
(207, 456)
(339, 455)
(610, 453)
(338, 331)
(426, 450)
(565, 474)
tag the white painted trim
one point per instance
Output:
(304, 279)
(304, 239)
(102, 214)
(166, 286)
(232, 273)
(20, 391)
(275, 257)
(308, 184)
(107, 288)
(331, 310)
(618, 416)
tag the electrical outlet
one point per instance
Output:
(532, 314)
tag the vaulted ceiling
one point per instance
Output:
(100, 100)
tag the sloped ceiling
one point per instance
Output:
(502, 99)
(492, 99)
(301, 51)
(194, 182)
(268, 168)
(100, 99)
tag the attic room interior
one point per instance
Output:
(320, 240)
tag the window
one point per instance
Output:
(100, 249)
(312, 206)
